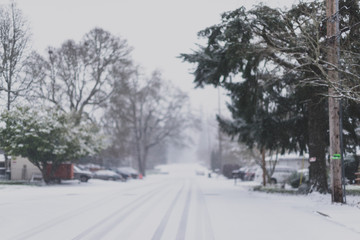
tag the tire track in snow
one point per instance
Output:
(205, 229)
(183, 222)
(104, 226)
(160, 230)
(63, 218)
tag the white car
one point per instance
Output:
(280, 175)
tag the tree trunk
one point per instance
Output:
(145, 156)
(263, 165)
(139, 159)
(317, 125)
(43, 170)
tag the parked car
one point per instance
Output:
(351, 165)
(281, 174)
(81, 174)
(250, 173)
(239, 173)
(107, 175)
(127, 172)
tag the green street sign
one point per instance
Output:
(336, 156)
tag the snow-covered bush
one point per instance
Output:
(47, 135)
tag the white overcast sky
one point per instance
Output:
(158, 30)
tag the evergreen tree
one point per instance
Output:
(273, 63)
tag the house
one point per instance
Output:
(289, 160)
(23, 169)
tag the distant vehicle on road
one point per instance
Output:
(81, 174)
(200, 172)
(107, 175)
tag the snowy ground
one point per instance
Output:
(177, 205)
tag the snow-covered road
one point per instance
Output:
(178, 205)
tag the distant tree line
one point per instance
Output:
(273, 64)
(82, 99)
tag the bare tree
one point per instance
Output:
(80, 77)
(14, 39)
(152, 110)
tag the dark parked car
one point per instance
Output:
(81, 174)
(127, 172)
(107, 175)
(240, 173)
(244, 173)
(351, 165)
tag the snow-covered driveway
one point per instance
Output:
(179, 205)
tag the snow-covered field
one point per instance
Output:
(177, 205)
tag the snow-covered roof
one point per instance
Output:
(291, 156)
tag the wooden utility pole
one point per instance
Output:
(332, 7)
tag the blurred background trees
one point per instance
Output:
(146, 112)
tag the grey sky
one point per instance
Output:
(158, 30)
